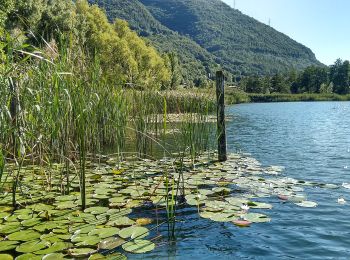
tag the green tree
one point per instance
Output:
(5, 8)
(174, 69)
(340, 76)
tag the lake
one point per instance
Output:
(312, 140)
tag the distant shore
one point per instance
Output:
(241, 97)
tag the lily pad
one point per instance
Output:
(114, 256)
(256, 218)
(7, 245)
(139, 246)
(81, 252)
(120, 222)
(96, 210)
(134, 232)
(307, 204)
(31, 222)
(104, 232)
(56, 247)
(111, 243)
(89, 241)
(32, 246)
(260, 205)
(24, 235)
(6, 257)
(10, 228)
(28, 256)
(54, 256)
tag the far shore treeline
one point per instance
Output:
(314, 79)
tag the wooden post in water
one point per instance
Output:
(221, 128)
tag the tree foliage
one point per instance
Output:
(332, 79)
(85, 30)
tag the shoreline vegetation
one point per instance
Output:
(236, 97)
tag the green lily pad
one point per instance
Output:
(261, 205)
(85, 229)
(24, 235)
(307, 204)
(5, 208)
(81, 252)
(89, 241)
(10, 228)
(54, 256)
(222, 190)
(120, 222)
(256, 217)
(66, 205)
(28, 256)
(32, 246)
(111, 243)
(133, 232)
(114, 256)
(45, 227)
(66, 198)
(7, 245)
(31, 222)
(219, 217)
(138, 246)
(96, 210)
(104, 232)
(6, 257)
(56, 247)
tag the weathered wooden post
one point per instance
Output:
(221, 128)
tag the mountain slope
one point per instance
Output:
(237, 40)
(211, 32)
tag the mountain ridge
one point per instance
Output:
(206, 32)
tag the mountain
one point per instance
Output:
(196, 62)
(205, 32)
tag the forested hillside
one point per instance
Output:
(195, 63)
(242, 45)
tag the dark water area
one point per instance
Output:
(312, 141)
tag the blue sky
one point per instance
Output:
(322, 25)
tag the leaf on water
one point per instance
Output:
(111, 243)
(104, 232)
(307, 204)
(10, 228)
(256, 217)
(28, 256)
(96, 210)
(81, 252)
(24, 235)
(7, 245)
(6, 257)
(54, 256)
(139, 246)
(120, 222)
(133, 232)
(32, 246)
(56, 247)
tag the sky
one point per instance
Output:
(321, 25)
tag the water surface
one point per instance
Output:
(312, 140)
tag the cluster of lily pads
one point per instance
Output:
(49, 225)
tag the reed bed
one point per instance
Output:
(60, 110)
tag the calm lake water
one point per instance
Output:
(312, 140)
